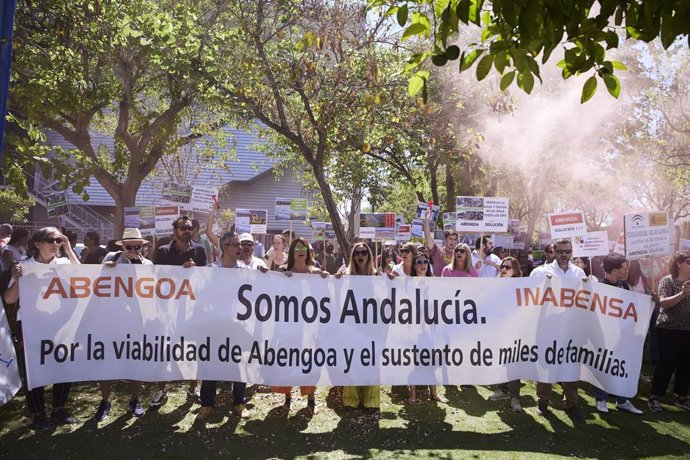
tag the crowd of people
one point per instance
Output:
(670, 341)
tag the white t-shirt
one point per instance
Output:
(17, 253)
(485, 270)
(254, 264)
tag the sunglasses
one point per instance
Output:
(459, 251)
(360, 253)
(506, 267)
(132, 248)
(301, 249)
(564, 251)
(51, 240)
(185, 228)
(404, 251)
(247, 244)
(422, 262)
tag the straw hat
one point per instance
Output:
(131, 234)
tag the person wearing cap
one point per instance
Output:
(247, 253)
(132, 245)
(230, 254)
(186, 253)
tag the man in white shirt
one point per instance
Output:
(483, 260)
(561, 267)
(247, 253)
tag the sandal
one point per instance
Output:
(411, 400)
(439, 398)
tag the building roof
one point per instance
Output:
(244, 164)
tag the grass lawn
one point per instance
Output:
(468, 426)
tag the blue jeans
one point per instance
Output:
(601, 395)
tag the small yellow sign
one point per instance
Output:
(658, 219)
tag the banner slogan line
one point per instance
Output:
(161, 323)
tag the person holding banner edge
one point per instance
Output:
(673, 334)
(230, 254)
(563, 268)
(186, 253)
(132, 245)
(361, 263)
(48, 242)
(300, 260)
(509, 268)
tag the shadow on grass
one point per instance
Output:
(468, 424)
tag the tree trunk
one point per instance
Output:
(328, 199)
(125, 199)
(450, 186)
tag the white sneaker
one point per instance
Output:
(499, 395)
(627, 406)
(159, 399)
(602, 406)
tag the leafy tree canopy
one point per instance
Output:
(516, 34)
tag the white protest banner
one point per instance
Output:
(171, 323)
(423, 209)
(164, 217)
(291, 209)
(684, 246)
(449, 220)
(9, 369)
(403, 232)
(591, 244)
(201, 199)
(567, 224)
(481, 214)
(251, 221)
(647, 234)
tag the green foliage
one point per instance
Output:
(516, 34)
(15, 206)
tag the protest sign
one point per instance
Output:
(377, 225)
(251, 221)
(56, 204)
(619, 244)
(567, 224)
(417, 229)
(171, 323)
(647, 234)
(322, 231)
(164, 217)
(591, 244)
(9, 369)
(403, 232)
(544, 239)
(174, 193)
(449, 220)
(481, 214)
(684, 246)
(291, 209)
(502, 241)
(142, 218)
(423, 209)
(202, 198)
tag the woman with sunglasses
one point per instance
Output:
(46, 245)
(673, 334)
(229, 258)
(361, 263)
(300, 260)
(509, 268)
(461, 267)
(408, 252)
(422, 267)
(132, 245)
